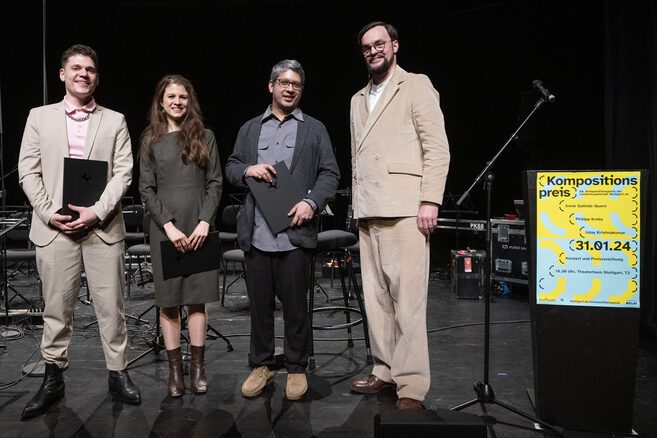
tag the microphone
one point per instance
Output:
(538, 86)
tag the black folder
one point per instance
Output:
(275, 199)
(84, 182)
(177, 264)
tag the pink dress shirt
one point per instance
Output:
(77, 130)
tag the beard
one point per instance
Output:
(380, 69)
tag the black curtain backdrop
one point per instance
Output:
(631, 117)
(481, 56)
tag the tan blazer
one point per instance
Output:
(400, 154)
(41, 168)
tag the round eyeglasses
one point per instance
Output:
(378, 47)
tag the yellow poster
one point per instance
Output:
(588, 234)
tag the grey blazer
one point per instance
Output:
(313, 168)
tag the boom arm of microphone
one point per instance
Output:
(538, 86)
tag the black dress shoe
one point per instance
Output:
(52, 389)
(122, 387)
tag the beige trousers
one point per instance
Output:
(394, 257)
(60, 264)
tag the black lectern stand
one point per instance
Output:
(585, 329)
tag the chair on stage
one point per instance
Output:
(232, 254)
(228, 232)
(140, 251)
(133, 217)
(338, 243)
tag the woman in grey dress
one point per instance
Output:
(180, 184)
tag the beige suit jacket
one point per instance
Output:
(41, 168)
(399, 151)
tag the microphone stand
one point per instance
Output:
(3, 205)
(483, 390)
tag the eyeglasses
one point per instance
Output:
(285, 83)
(378, 47)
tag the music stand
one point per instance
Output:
(6, 225)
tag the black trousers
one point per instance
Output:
(284, 275)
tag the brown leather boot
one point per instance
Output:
(197, 369)
(176, 386)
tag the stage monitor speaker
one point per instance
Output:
(440, 423)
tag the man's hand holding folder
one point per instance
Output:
(275, 192)
(87, 219)
(261, 171)
(302, 212)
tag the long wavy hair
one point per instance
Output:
(191, 141)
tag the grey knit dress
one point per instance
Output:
(184, 194)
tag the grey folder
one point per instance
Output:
(276, 199)
(84, 182)
(177, 264)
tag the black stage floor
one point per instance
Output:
(328, 410)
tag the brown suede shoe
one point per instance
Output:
(296, 387)
(369, 385)
(257, 380)
(409, 403)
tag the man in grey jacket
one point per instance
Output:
(279, 264)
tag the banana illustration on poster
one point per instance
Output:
(588, 234)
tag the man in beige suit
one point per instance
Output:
(79, 128)
(400, 159)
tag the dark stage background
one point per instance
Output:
(597, 57)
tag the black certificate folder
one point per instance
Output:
(275, 199)
(84, 182)
(177, 264)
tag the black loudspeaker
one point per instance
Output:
(427, 423)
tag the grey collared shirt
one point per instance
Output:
(276, 143)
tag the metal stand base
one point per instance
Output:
(485, 395)
(157, 343)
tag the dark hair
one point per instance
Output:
(285, 65)
(79, 49)
(392, 32)
(192, 138)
